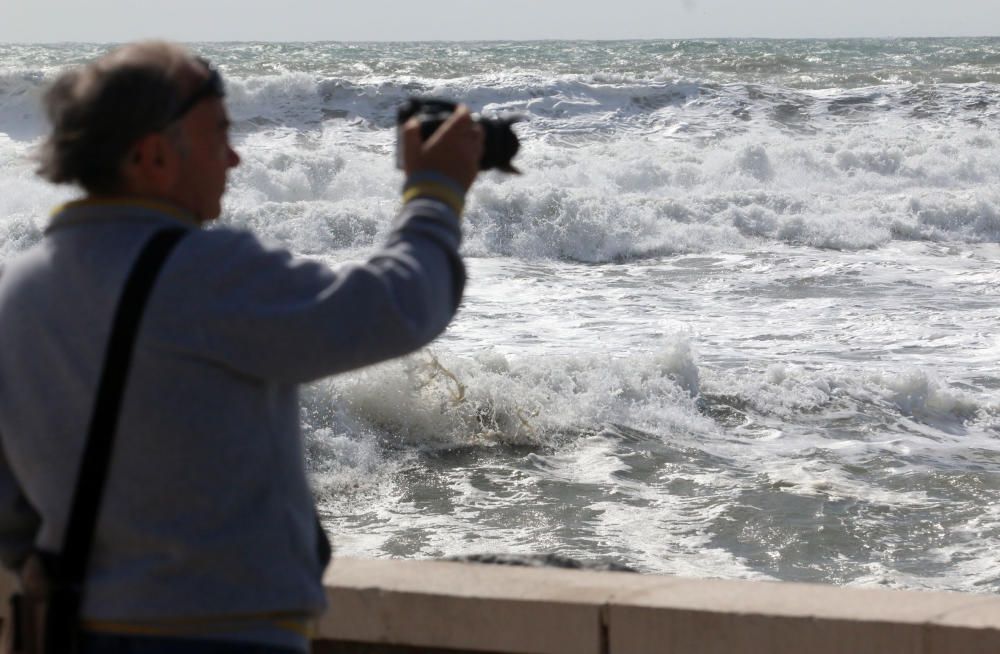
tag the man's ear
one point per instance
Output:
(152, 165)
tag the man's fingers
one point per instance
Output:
(454, 149)
(412, 143)
(459, 121)
(476, 134)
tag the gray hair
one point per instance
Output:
(98, 112)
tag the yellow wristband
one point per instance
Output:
(436, 191)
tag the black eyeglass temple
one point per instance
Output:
(211, 87)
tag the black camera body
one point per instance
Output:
(500, 143)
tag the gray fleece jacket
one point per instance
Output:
(207, 509)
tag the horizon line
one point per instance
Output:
(512, 40)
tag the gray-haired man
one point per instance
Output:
(206, 537)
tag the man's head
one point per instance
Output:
(146, 120)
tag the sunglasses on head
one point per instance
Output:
(212, 87)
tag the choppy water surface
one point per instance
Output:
(739, 318)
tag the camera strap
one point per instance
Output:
(90, 482)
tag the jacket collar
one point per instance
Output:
(117, 209)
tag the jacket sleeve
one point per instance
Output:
(261, 312)
(19, 521)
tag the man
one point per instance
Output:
(206, 536)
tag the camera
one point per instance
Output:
(500, 143)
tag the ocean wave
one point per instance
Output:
(606, 103)
(595, 102)
(634, 198)
(789, 394)
(620, 164)
(21, 91)
(440, 400)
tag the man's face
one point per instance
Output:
(206, 157)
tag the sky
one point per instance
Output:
(391, 20)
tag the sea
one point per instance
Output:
(738, 318)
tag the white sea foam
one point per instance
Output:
(622, 167)
(488, 398)
(638, 196)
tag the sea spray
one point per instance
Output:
(490, 398)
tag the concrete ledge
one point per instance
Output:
(724, 616)
(402, 607)
(468, 606)
(393, 607)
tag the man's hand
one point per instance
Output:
(453, 150)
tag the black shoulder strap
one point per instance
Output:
(96, 459)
